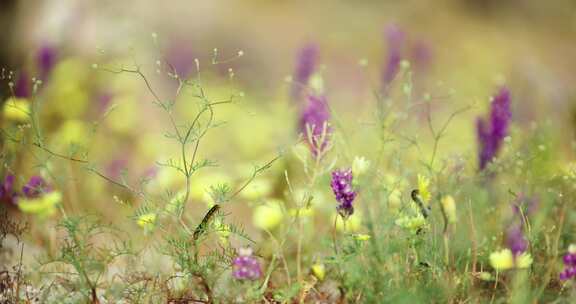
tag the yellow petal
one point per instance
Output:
(268, 216)
(17, 109)
(319, 271)
(423, 183)
(524, 260)
(147, 221)
(42, 206)
(502, 260)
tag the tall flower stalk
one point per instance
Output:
(395, 40)
(306, 63)
(492, 130)
(314, 125)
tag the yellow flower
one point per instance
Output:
(449, 206)
(124, 116)
(73, 131)
(572, 248)
(502, 260)
(524, 260)
(268, 216)
(147, 221)
(411, 223)
(362, 237)
(17, 109)
(423, 183)
(319, 271)
(42, 206)
(485, 276)
(67, 93)
(353, 223)
(360, 165)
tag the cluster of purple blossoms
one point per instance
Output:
(492, 131)
(395, 39)
(35, 187)
(342, 187)
(7, 193)
(569, 271)
(45, 60)
(306, 62)
(246, 266)
(516, 241)
(399, 47)
(313, 124)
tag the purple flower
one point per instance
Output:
(314, 124)
(306, 62)
(45, 60)
(516, 241)
(245, 266)
(7, 194)
(395, 39)
(342, 187)
(23, 86)
(421, 56)
(491, 131)
(35, 187)
(569, 271)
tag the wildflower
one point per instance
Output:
(17, 109)
(306, 64)
(342, 187)
(449, 207)
(362, 237)
(423, 188)
(314, 124)
(73, 132)
(492, 131)
(421, 55)
(319, 271)
(516, 241)
(7, 194)
(42, 206)
(246, 266)
(147, 221)
(395, 39)
(45, 60)
(35, 187)
(23, 86)
(360, 165)
(351, 224)
(505, 259)
(268, 216)
(413, 223)
(569, 261)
